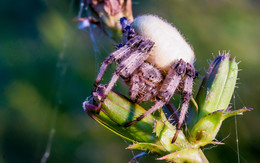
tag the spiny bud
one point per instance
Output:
(213, 99)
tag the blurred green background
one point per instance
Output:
(48, 66)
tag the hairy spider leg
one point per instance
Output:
(186, 96)
(170, 84)
(128, 66)
(135, 87)
(115, 56)
(155, 107)
(129, 40)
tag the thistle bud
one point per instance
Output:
(213, 99)
(152, 134)
(218, 85)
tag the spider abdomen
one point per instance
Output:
(170, 46)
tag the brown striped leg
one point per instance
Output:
(129, 40)
(123, 52)
(135, 87)
(186, 95)
(155, 107)
(128, 66)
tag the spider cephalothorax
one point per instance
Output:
(155, 61)
(145, 83)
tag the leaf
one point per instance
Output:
(235, 112)
(150, 148)
(117, 111)
(206, 129)
(105, 121)
(165, 135)
(193, 155)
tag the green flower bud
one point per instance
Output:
(213, 99)
(152, 134)
(209, 97)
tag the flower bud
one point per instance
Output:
(152, 134)
(213, 99)
(214, 93)
(109, 13)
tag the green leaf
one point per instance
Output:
(165, 135)
(193, 155)
(105, 121)
(235, 112)
(119, 111)
(206, 129)
(149, 148)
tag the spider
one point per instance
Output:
(155, 61)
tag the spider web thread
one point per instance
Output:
(96, 50)
(61, 67)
